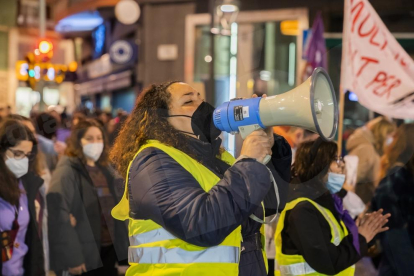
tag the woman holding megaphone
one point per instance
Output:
(315, 235)
(187, 199)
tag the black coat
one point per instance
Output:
(306, 232)
(163, 191)
(34, 259)
(72, 192)
(395, 194)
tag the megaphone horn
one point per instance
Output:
(312, 106)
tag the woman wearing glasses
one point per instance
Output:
(21, 247)
(314, 234)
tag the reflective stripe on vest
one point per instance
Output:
(162, 255)
(156, 235)
(295, 269)
(336, 239)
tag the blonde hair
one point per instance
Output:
(380, 130)
(401, 151)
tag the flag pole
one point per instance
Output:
(341, 104)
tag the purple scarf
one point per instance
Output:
(348, 221)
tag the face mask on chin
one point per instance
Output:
(18, 167)
(202, 123)
(335, 182)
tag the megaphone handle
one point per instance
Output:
(267, 159)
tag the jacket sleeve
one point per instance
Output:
(163, 191)
(280, 167)
(64, 243)
(315, 247)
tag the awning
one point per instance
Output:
(109, 83)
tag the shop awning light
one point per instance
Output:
(229, 8)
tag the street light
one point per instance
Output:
(226, 12)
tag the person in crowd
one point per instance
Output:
(77, 116)
(21, 246)
(293, 135)
(309, 136)
(105, 117)
(46, 126)
(315, 235)
(367, 143)
(395, 194)
(62, 132)
(42, 170)
(85, 238)
(114, 125)
(4, 112)
(189, 202)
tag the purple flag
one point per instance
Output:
(315, 48)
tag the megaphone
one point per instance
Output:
(312, 106)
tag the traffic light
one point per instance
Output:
(44, 50)
(31, 74)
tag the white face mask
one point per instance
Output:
(335, 182)
(18, 167)
(93, 150)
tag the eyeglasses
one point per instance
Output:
(18, 154)
(340, 162)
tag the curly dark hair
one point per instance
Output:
(12, 132)
(147, 122)
(75, 149)
(313, 160)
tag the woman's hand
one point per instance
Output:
(72, 220)
(372, 224)
(77, 270)
(257, 145)
(269, 130)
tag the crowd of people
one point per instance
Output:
(68, 184)
(56, 195)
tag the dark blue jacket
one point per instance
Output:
(395, 194)
(163, 191)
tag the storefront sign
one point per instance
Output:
(374, 66)
(99, 67)
(109, 83)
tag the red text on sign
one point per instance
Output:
(383, 84)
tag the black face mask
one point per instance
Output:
(202, 123)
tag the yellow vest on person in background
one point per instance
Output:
(153, 251)
(295, 265)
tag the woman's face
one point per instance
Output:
(337, 166)
(92, 135)
(184, 101)
(20, 151)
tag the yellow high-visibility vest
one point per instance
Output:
(153, 251)
(295, 265)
